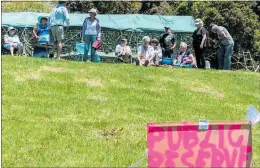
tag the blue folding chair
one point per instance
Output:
(80, 52)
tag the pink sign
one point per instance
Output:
(223, 144)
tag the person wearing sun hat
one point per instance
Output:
(41, 32)
(91, 32)
(123, 51)
(199, 43)
(12, 41)
(41, 28)
(157, 52)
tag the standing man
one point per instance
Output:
(226, 46)
(167, 42)
(58, 17)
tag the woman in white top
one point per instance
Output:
(91, 32)
(145, 53)
(12, 41)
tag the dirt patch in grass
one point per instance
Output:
(197, 86)
(91, 82)
(97, 98)
(27, 76)
(209, 91)
(53, 69)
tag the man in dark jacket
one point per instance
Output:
(167, 42)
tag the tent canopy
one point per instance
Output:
(129, 22)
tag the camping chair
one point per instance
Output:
(5, 51)
(80, 52)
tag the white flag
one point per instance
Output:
(253, 115)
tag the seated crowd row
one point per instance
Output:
(152, 52)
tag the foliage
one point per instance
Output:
(256, 9)
(112, 7)
(27, 6)
(240, 18)
(257, 42)
(237, 17)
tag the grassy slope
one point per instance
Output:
(60, 113)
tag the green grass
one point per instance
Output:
(63, 113)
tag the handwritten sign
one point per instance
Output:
(223, 144)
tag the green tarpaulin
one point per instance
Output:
(130, 22)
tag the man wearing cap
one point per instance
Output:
(167, 42)
(226, 46)
(58, 17)
(91, 32)
(123, 51)
(12, 41)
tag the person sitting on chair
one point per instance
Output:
(145, 53)
(184, 57)
(41, 32)
(157, 52)
(123, 51)
(12, 41)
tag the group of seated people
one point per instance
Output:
(150, 54)
(40, 36)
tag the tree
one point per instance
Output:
(237, 17)
(112, 7)
(23, 6)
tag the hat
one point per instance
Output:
(167, 27)
(10, 28)
(198, 22)
(93, 11)
(124, 39)
(155, 41)
(42, 17)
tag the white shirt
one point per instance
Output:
(121, 50)
(91, 28)
(12, 39)
(145, 54)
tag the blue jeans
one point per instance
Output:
(224, 56)
(89, 40)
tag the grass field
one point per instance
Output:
(74, 114)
